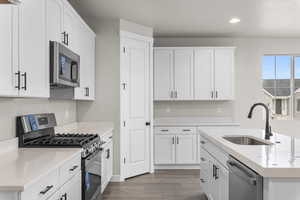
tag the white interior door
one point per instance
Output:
(224, 63)
(183, 74)
(163, 74)
(203, 74)
(135, 75)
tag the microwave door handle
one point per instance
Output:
(74, 72)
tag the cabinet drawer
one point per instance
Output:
(217, 153)
(175, 130)
(43, 188)
(69, 169)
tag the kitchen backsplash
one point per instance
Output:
(193, 109)
(11, 107)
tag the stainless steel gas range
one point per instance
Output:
(37, 131)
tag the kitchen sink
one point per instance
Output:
(246, 140)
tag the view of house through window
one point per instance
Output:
(281, 85)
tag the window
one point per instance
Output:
(281, 85)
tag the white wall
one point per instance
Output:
(106, 107)
(247, 80)
(9, 108)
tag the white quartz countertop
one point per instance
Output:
(97, 127)
(22, 167)
(267, 160)
(194, 121)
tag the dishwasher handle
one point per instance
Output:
(243, 172)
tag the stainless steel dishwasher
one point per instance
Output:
(244, 183)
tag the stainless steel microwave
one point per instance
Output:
(64, 66)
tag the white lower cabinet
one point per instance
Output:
(186, 149)
(214, 176)
(70, 190)
(107, 164)
(177, 145)
(164, 149)
(61, 183)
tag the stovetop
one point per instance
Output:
(65, 139)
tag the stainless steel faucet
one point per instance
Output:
(268, 131)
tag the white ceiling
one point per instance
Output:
(269, 18)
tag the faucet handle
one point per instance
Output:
(270, 131)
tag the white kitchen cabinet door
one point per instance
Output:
(32, 49)
(163, 74)
(183, 74)
(164, 149)
(224, 73)
(56, 196)
(72, 189)
(186, 149)
(86, 90)
(55, 14)
(8, 51)
(109, 161)
(222, 183)
(204, 74)
(72, 28)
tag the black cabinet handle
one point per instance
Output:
(216, 94)
(173, 140)
(64, 196)
(67, 35)
(202, 142)
(64, 37)
(107, 153)
(25, 81)
(177, 140)
(216, 172)
(148, 123)
(49, 187)
(87, 91)
(186, 130)
(73, 168)
(164, 130)
(19, 80)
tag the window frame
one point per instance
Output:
(293, 105)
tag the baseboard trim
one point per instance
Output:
(116, 178)
(177, 166)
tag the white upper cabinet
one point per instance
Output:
(71, 33)
(8, 51)
(163, 74)
(183, 74)
(194, 73)
(86, 90)
(224, 76)
(55, 14)
(32, 49)
(204, 73)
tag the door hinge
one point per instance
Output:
(124, 86)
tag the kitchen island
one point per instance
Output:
(276, 162)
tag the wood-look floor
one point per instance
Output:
(162, 185)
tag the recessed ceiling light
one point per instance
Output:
(234, 20)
